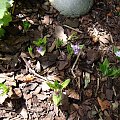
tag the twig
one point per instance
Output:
(98, 112)
(75, 64)
(72, 28)
(31, 70)
(98, 84)
(114, 91)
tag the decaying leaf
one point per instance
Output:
(25, 78)
(104, 104)
(2, 98)
(87, 79)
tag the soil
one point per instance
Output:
(89, 95)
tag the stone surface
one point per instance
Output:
(72, 8)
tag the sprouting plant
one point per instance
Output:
(57, 87)
(41, 45)
(58, 43)
(30, 50)
(26, 25)
(109, 71)
(5, 15)
(69, 50)
(73, 36)
(3, 89)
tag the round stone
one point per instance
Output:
(72, 8)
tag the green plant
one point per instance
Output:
(26, 25)
(41, 45)
(57, 87)
(69, 50)
(30, 50)
(3, 89)
(73, 36)
(58, 43)
(109, 71)
(5, 15)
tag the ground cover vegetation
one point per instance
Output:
(54, 67)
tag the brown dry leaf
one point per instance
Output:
(109, 14)
(118, 9)
(104, 104)
(88, 93)
(73, 94)
(54, 77)
(25, 78)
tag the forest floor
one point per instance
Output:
(90, 95)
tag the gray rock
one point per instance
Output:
(72, 8)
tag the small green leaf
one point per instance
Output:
(26, 25)
(106, 63)
(44, 40)
(81, 46)
(40, 42)
(73, 36)
(57, 85)
(104, 67)
(57, 98)
(70, 50)
(58, 43)
(65, 83)
(30, 50)
(52, 86)
(4, 89)
(2, 31)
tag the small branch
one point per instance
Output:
(72, 28)
(31, 70)
(75, 63)
(98, 84)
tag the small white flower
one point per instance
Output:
(117, 53)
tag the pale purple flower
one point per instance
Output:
(117, 53)
(39, 49)
(1, 91)
(75, 48)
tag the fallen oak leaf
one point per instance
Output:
(104, 104)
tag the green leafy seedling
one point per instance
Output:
(30, 50)
(5, 15)
(104, 67)
(3, 89)
(69, 50)
(41, 45)
(73, 36)
(109, 71)
(58, 43)
(57, 87)
(26, 25)
(40, 42)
